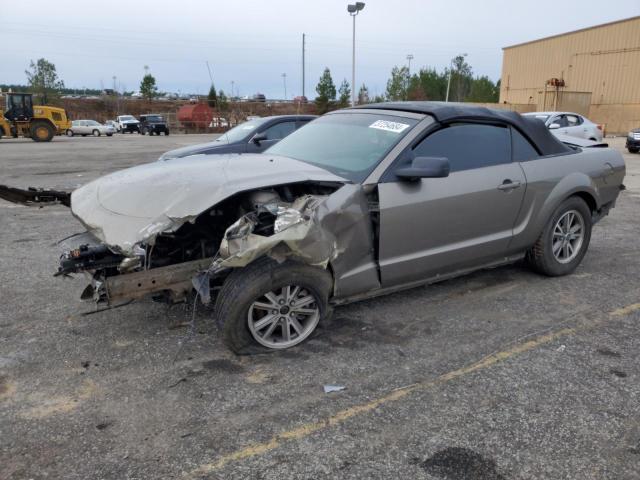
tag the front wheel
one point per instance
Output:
(96, 133)
(42, 131)
(268, 306)
(166, 133)
(564, 240)
(632, 150)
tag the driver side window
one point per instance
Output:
(468, 146)
(280, 130)
(562, 121)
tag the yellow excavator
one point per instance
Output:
(39, 123)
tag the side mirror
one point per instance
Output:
(553, 126)
(259, 137)
(425, 167)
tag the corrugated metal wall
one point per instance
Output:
(604, 61)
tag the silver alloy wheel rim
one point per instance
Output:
(285, 318)
(568, 236)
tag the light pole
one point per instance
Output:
(232, 83)
(284, 79)
(353, 10)
(409, 58)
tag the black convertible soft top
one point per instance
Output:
(446, 112)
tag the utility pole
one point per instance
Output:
(303, 40)
(449, 81)
(232, 83)
(209, 69)
(284, 79)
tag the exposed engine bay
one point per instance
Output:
(277, 221)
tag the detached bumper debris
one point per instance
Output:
(32, 196)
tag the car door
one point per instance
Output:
(574, 126)
(82, 127)
(274, 134)
(434, 226)
(561, 121)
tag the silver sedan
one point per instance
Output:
(569, 123)
(89, 127)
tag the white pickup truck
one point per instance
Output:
(127, 123)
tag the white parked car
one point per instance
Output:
(127, 123)
(568, 123)
(89, 127)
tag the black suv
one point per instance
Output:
(633, 141)
(150, 124)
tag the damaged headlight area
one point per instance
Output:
(280, 222)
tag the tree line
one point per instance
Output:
(457, 82)
(427, 84)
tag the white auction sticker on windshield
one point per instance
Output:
(395, 127)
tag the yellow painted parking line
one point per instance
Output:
(339, 417)
(621, 312)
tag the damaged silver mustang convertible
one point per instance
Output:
(360, 202)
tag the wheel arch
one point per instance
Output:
(575, 184)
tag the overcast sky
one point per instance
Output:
(252, 42)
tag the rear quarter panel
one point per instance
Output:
(598, 172)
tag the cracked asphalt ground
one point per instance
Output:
(503, 374)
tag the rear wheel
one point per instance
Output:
(69, 133)
(42, 131)
(632, 150)
(268, 306)
(166, 132)
(564, 241)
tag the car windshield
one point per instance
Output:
(241, 131)
(347, 144)
(127, 117)
(154, 118)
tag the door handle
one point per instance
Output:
(508, 185)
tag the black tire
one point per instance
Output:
(69, 133)
(109, 134)
(145, 131)
(96, 133)
(632, 150)
(246, 285)
(41, 131)
(541, 258)
(166, 133)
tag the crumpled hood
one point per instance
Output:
(134, 205)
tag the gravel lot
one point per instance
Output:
(499, 375)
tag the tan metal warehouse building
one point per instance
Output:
(594, 71)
